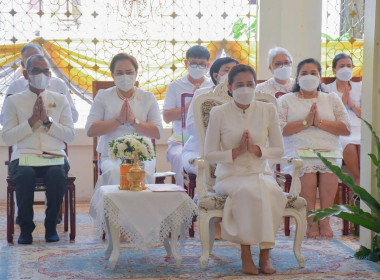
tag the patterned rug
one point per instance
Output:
(325, 259)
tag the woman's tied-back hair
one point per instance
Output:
(123, 56)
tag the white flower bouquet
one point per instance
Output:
(124, 147)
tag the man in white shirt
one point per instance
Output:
(197, 63)
(38, 121)
(21, 84)
(219, 74)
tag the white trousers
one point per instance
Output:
(186, 156)
(174, 156)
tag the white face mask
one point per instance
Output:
(197, 73)
(243, 95)
(283, 73)
(344, 74)
(125, 82)
(308, 82)
(40, 81)
(223, 78)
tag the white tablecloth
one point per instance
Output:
(146, 218)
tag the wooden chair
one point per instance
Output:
(69, 202)
(211, 204)
(96, 86)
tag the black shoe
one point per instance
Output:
(25, 238)
(51, 236)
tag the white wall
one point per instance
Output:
(292, 24)
(80, 155)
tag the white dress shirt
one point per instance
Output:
(173, 97)
(107, 106)
(55, 85)
(37, 139)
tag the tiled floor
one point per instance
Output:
(85, 232)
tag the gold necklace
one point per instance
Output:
(122, 97)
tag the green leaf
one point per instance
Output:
(374, 159)
(373, 257)
(328, 37)
(351, 213)
(362, 253)
(364, 195)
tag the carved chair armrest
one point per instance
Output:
(201, 188)
(295, 187)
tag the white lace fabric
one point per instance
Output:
(144, 218)
(293, 108)
(272, 87)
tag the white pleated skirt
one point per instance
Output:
(253, 210)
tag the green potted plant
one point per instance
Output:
(369, 220)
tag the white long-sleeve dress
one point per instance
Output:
(330, 108)
(255, 203)
(107, 106)
(356, 97)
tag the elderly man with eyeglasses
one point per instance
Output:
(21, 84)
(280, 64)
(197, 64)
(38, 121)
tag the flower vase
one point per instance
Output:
(124, 183)
(136, 176)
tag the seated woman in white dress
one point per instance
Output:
(280, 64)
(120, 110)
(240, 136)
(351, 94)
(313, 119)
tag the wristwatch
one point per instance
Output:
(136, 123)
(49, 122)
(305, 124)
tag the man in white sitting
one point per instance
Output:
(197, 63)
(38, 121)
(218, 73)
(21, 84)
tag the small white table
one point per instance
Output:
(145, 218)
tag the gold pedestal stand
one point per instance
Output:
(136, 176)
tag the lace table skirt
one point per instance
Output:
(145, 218)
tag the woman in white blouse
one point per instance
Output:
(240, 136)
(351, 94)
(120, 110)
(280, 64)
(313, 119)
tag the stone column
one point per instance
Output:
(370, 105)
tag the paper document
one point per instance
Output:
(164, 188)
(175, 138)
(312, 153)
(41, 159)
(163, 174)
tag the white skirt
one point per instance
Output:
(253, 209)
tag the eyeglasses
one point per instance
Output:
(282, 64)
(200, 66)
(36, 71)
